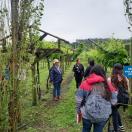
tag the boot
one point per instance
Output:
(55, 99)
(58, 97)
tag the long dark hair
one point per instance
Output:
(117, 70)
(99, 70)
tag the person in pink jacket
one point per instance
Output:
(97, 78)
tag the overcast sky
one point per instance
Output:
(81, 19)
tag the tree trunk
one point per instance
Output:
(13, 103)
(38, 82)
(34, 91)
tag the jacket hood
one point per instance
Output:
(93, 78)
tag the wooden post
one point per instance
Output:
(34, 91)
(59, 42)
(130, 50)
(38, 82)
(47, 85)
(13, 102)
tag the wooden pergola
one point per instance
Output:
(40, 53)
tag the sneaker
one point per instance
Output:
(121, 129)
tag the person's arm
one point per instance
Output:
(73, 69)
(80, 94)
(128, 84)
(113, 92)
(51, 75)
(86, 74)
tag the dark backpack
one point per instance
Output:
(98, 109)
(123, 96)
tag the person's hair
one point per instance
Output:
(99, 70)
(118, 70)
(91, 62)
(77, 59)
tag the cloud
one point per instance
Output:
(74, 19)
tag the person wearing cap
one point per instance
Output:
(56, 78)
(117, 79)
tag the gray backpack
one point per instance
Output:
(98, 109)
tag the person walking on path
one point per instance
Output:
(88, 69)
(56, 79)
(119, 81)
(78, 70)
(94, 99)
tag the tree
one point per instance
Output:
(116, 53)
(23, 14)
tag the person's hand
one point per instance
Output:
(79, 117)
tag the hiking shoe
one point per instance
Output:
(121, 129)
(55, 99)
(59, 97)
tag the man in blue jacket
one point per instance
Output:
(56, 79)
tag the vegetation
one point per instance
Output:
(25, 93)
(114, 52)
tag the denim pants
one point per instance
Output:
(87, 125)
(56, 89)
(116, 118)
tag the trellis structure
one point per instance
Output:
(40, 53)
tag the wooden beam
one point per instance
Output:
(51, 35)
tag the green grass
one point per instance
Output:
(63, 115)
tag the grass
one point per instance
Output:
(55, 117)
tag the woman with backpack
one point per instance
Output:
(120, 82)
(93, 100)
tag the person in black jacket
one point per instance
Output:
(87, 71)
(56, 79)
(78, 70)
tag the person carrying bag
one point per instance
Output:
(94, 99)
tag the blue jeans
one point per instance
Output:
(116, 118)
(98, 127)
(56, 90)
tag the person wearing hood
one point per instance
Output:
(97, 82)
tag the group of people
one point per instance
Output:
(98, 97)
